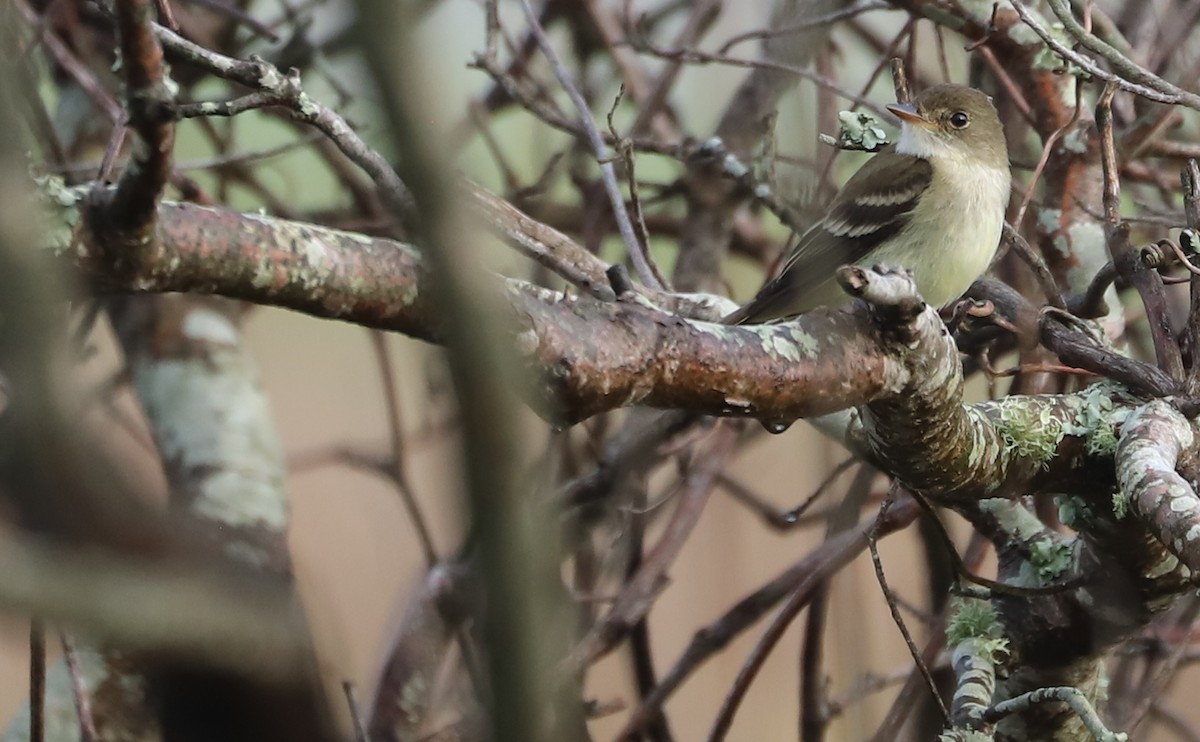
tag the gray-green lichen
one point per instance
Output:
(1120, 504)
(1075, 140)
(1089, 246)
(1013, 518)
(1050, 558)
(1100, 410)
(861, 129)
(61, 205)
(1048, 59)
(1075, 512)
(212, 423)
(965, 735)
(1049, 220)
(1032, 432)
(787, 340)
(307, 106)
(972, 618)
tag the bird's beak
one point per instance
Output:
(908, 114)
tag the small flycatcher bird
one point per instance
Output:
(933, 202)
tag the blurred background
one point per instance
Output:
(356, 554)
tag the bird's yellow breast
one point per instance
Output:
(949, 245)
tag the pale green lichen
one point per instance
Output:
(1031, 431)
(59, 204)
(980, 448)
(717, 330)
(1099, 416)
(1013, 518)
(269, 77)
(307, 106)
(408, 297)
(1167, 564)
(1050, 558)
(1072, 510)
(976, 619)
(1049, 221)
(315, 252)
(807, 341)
(1075, 140)
(965, 735)
(787, 341)
(774, 344)
(1120, 504)
(210, 422)
(861, 129)
(55, 189)
(1102, 441)
(264, 273)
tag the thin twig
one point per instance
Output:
(1125, 67)
(762, 650)
(786, 519)
(608, 173)
(37, 680)
(900, 81)
(131, 210)
(803, 576)
(399, 471)
(1036, 264)
(873, 546)
(1108, 156)
(843, 519)
(1057, 134)
(858, 8)
(625, 150)
(259, 75)
(1180, 97)
(698, 56)
(83, 696)
(642, 589)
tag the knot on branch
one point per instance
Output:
(892, 292)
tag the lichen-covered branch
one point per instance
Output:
(1152, 442)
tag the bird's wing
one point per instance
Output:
(873, 206)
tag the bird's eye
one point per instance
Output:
(959, 119)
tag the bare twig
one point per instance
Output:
(83, 696)
(640, 591)
(1057, 134)
(1125, 67)
(918, 660)
(131, 211)
(263, 77)
(1174, 96)
(802, 577)
(858, 8)
(603, 157)
(1035, 262)
(399, 471)
(37, 680)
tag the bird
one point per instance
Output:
(933, 202)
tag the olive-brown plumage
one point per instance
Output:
(933, 202)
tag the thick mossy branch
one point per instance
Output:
(1151, 444)
(890, 358)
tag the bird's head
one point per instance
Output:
(952, 121)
